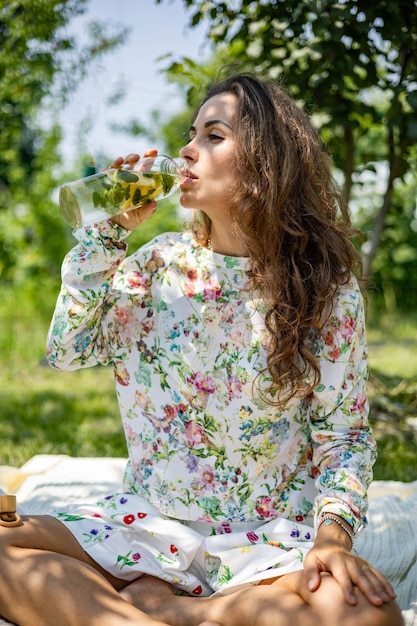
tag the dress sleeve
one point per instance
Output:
(76, 335)
(343, 446)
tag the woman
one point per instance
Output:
(240, 364)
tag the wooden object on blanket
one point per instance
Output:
(8, 515)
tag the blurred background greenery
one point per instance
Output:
(355, 70)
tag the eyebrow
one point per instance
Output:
(212, 123)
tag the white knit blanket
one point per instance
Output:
(389, 543)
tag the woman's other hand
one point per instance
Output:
(350, 571)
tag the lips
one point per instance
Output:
(187, 177)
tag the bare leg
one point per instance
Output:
(47, 578)
(285, 602)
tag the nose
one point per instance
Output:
(188, 152)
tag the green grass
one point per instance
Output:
(393, 416)
(59, 413)
(393, 395)
(44, 411)
(48, 412)
(393, 345)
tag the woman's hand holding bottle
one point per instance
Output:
(134, 218)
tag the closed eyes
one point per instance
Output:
(214, 137)
(210, 136)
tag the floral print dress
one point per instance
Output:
(221, 488)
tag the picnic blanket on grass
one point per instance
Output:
(389, 543)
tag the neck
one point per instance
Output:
(226, 242)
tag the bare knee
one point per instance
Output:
(327, 605)
(45, 536)
(388, 614)
(38, 533)
(331, 607)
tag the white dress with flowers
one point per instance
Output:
(221, 488)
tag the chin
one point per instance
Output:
(186, 203)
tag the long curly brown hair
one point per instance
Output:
(290, 214)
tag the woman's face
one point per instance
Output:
(210, 155)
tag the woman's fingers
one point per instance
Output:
(131, 159)
(351, 572)
(372, 583)
(134, 218)
(313, 578)
(151, 153)
(116, 163)
(148, 160)
(337, 567)
(128, 161)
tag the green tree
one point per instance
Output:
(352, 63)
(394, 269)
(40, 63)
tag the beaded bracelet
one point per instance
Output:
(328, 518)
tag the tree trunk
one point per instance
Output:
(349, 163)
(379, 226)
(394, 170)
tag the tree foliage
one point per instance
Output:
(351, 63)
(40, 63)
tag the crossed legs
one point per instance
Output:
(284, 602)
(47, 578)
